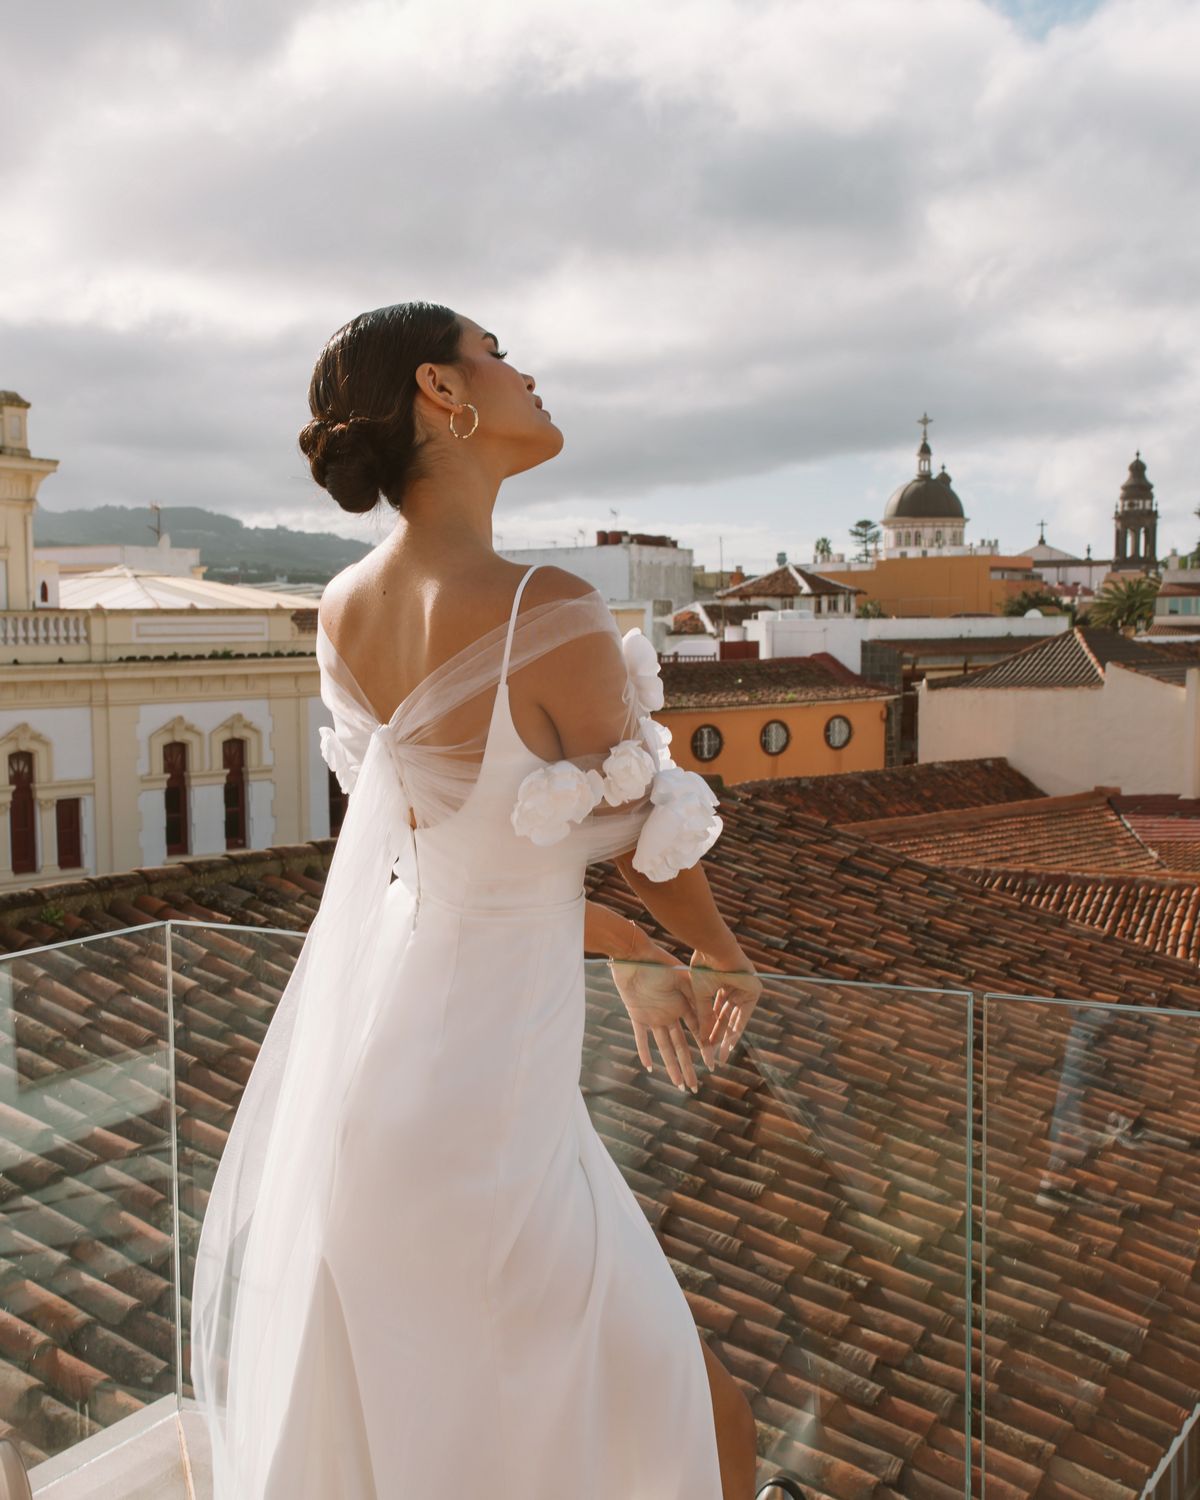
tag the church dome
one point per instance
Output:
(928, 497)
(925, 498)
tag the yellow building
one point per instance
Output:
(749, 720)
(939, 585)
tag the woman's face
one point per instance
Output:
(510, 414)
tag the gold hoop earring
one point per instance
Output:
(454, 414)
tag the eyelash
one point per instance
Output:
(500, 353)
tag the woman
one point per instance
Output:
(420, 1273)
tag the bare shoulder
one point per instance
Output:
(549, 583)
(334, 595)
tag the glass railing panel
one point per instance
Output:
(813, 1200)
(1089, 1245)
(88, 1308)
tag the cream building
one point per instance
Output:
(1084, 708)
(145, 717)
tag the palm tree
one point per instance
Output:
(1124, 604)
(823, 549)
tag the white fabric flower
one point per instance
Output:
(627, 770)
(681, 827)
(641, 662)
(338, 758)
(553, 797)
(657, 738)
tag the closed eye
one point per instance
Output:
(500, 353)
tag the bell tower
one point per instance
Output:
(20, 476)
(1135, 540)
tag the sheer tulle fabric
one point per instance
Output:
(260, 1247)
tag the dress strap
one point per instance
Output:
(512, 620)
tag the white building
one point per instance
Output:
(644, 577)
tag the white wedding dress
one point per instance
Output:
(420, 1274)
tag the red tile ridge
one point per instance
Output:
(969, 817)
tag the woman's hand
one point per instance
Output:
(726, 986)
(657, 992)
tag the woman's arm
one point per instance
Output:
(607, 932)
(685, 906)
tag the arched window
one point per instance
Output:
(706, 742)
(44, 592)
(233, 757)
(908, 538)
(175, 796)
(22, 815)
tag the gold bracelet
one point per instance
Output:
(616, 958)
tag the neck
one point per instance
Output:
(452, 508)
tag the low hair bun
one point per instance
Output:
(345, 460)
(362, 442)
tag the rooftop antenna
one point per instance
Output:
(157, 527)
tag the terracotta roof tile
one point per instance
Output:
(856, 796)
(1159, 911)
(789, 679)
(1080, 832)
(1076, 658)
(786, 582)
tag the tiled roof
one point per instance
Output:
(957, 645)
(781, 679)
(1076, 658)
(810, 1197)
(1167, 824)
(1156, 910)
(786, 582)
(856, 796)
(1078, 832)
(701, 616)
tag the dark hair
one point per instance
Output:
(362, 442)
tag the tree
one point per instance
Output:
(1124, 604)
(1029, 599)
(823, 549)
(871, 609)
(865, 536)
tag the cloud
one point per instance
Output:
(736, 243)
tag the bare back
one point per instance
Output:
(395, 621)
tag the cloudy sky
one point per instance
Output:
(741, 245)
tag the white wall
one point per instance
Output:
(605, 568)
(792, 633)
(621, 571)
(1134, 732)
(69, 731)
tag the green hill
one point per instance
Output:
(232, 551)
